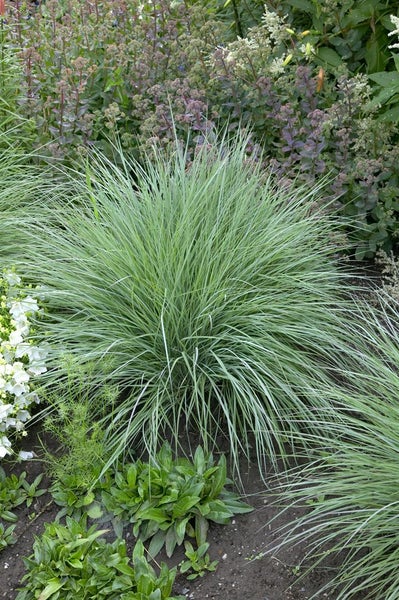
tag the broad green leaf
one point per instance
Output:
(237, 506)
(380, 98)
(95, 511)
(170, 542)
(180, 530)
(152, 514)
(51, 588)
(199, 460)
(125, 569)
(131, 475)
(219, 480)
(145, 585)
(386, 79)
(156, 544)
(375, 58)
(391, 115)
(201, 530)
(358, 15)
(304, 5)
(329, 56)
(183, 506)
(9, 516)
(75, 563)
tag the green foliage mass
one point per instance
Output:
(170, 499)
(81, 74)
(185, 289)
(70, 561)
(14, 492)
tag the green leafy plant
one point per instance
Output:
(185, 290)
(15, 491)
(198, 561)
(7, 537)
(78, 90)
(167, 499)
(387, 94)
(350, 32)
(70, 561)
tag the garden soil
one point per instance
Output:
(244, 572)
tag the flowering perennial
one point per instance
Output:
(20, 359)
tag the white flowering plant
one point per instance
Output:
(21, 360)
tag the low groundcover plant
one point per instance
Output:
(20, 359)
(169, 499)
(73, 561)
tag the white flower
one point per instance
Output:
(25, 455)
(21, 324)
(277, 65)
(5, 410)
(16, 396)
(6, 370)
(23, 415)
(19, 373)
(34, 353)
(395, 22)
(11, 278)
(8, 423)
(274, 24)
(19, 308)
(16, 388)
(36, 368)
(5, 446)
(15, 338)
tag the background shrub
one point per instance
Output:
(88, 72)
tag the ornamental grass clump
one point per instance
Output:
(210, 296)
(350, 487)
(351, 491)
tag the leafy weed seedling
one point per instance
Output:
(198, 561)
